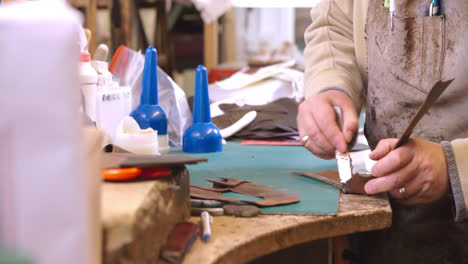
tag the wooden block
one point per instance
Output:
(180, 241)
(138, 216)
(210, 45)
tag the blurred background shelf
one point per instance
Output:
(184, 41)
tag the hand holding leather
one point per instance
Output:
(419, 166)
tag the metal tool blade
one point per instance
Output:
(345, 167)
(343, 160)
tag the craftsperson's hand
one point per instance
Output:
(316, 119)
(419, 166)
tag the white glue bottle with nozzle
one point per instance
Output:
(88, 84)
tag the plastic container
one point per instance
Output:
(130, 137)
(113, 102)
(202, 136)
(149, 113)
(103, 73)
(88, 83)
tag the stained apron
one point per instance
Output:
(403, 65)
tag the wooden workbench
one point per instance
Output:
(138, 216)
(239, 240)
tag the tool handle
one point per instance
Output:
(339, 116)
(340, 122)
(121, 174)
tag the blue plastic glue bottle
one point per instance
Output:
(149, 113)
(202, 136)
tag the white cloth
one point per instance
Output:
(211, 10)
(265, 86)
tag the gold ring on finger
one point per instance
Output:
(403, 193)
(304, 140)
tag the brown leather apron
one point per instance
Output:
(404, 63)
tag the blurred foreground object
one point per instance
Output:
(49, 196)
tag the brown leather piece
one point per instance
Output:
(129, 160)
(271, 197)
(276, 120)
(355, 185)
(201, 193)
(329, 177)
(230, 182)
(436, 91)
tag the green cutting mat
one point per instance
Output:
(269, 165)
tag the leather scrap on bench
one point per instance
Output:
(202, 193)
(355, 185)
(271, 197)
(130, 160)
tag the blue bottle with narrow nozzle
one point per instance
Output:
(149, 113)
(202, 136)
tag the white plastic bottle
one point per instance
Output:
(88, 84)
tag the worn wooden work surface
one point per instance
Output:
(138, 216)
(239, 240)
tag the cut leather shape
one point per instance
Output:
(438, 88)
(202, 193)
(355, 185)
(230, 182)
(271, 197)
(328, 177)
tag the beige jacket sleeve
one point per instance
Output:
(330, 61)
